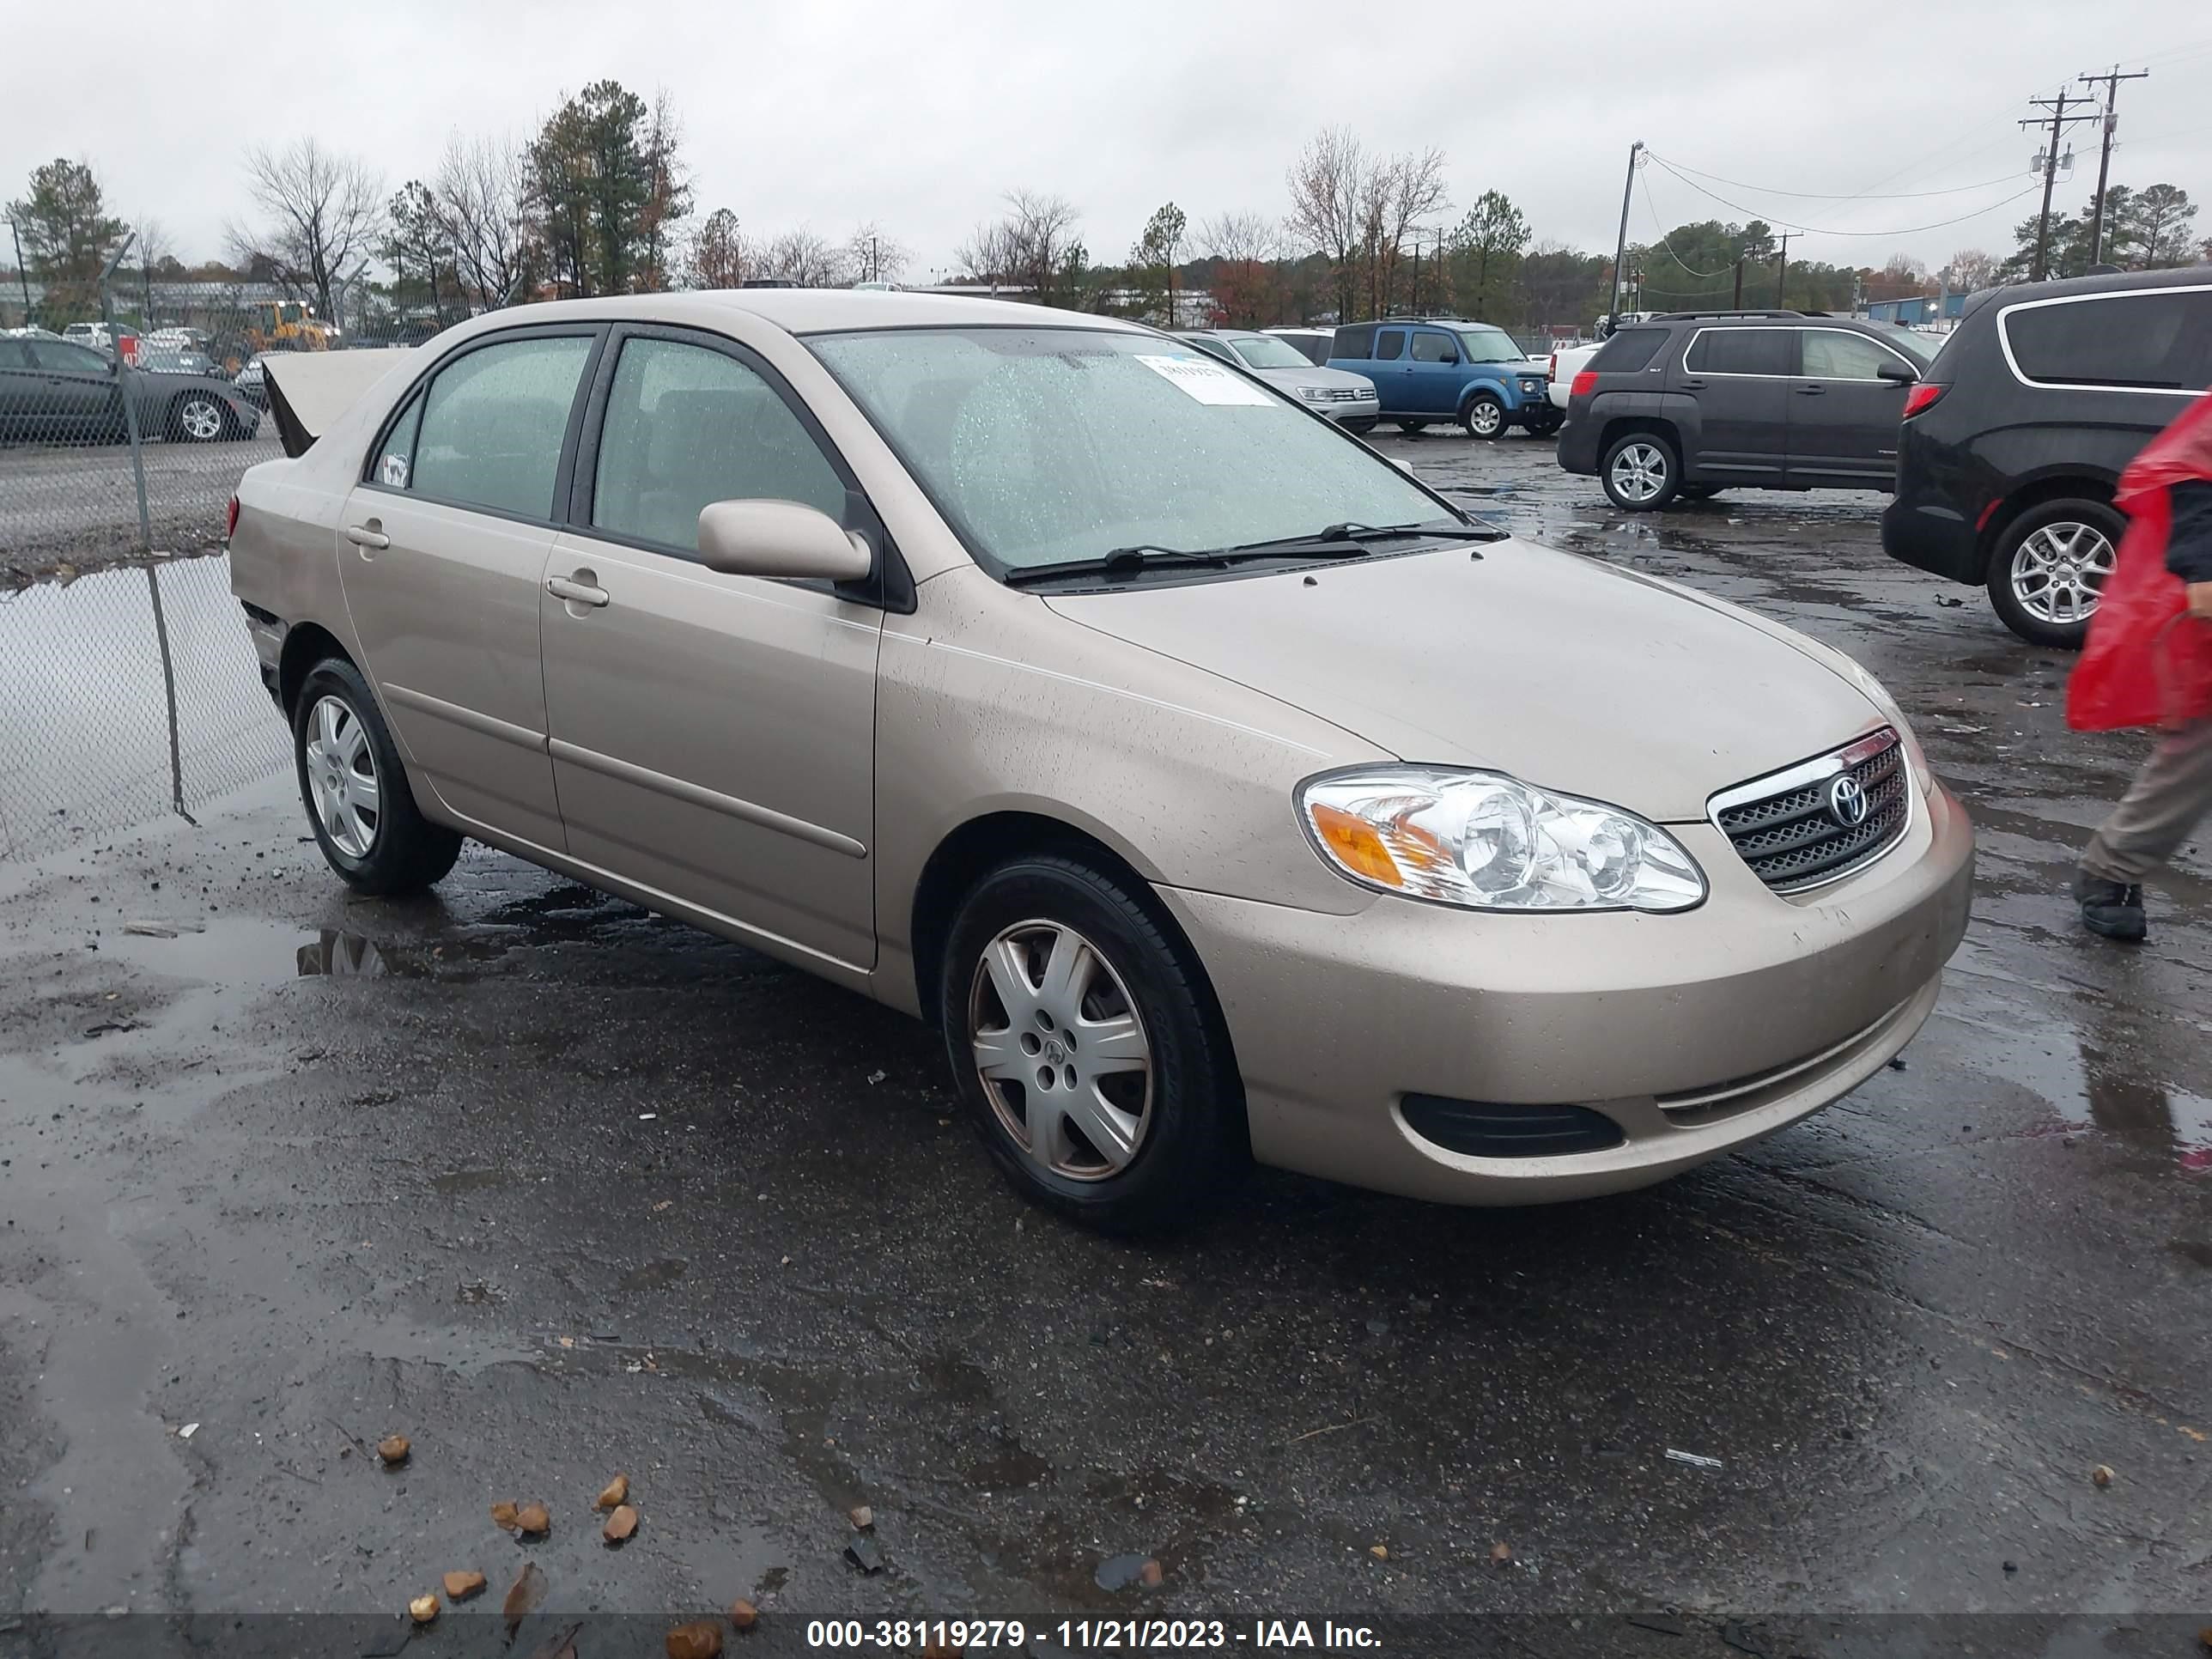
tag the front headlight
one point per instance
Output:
(1492, 842)
(1313, 394)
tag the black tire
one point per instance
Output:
(189, 418)
(1701, 492)
(1409, 428)
(1191, 1143)
(1660, 472)
(1546, 421)
(1485, 418)
(2082, 535)
(1359, 428)
(404, 851)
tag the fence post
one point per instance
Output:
(169, 687)
(124, 371)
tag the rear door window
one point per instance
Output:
(1832, 354)
(1389, 344)
(2152, 341)
(1630, 350)
(1743, 351)
(493, 422)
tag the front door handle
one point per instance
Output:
(365, 535)
(1693, 385)
(1811, 390)
(575, 592)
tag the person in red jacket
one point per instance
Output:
(2151, 669)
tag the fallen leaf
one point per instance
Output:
(527, 1590)
(665, 1204)
(1501, 1553)
(422, 1609)
(700, 1639)
(1380, 1551)
(862, 1516)
(502, 1514)
(743, 1615)
(620, 1524)
(393, 1449)
(459, 1586)
(615, 1492)
(532, 1520)
(561, 1644)
(1150, 1574)
(2102, 1475)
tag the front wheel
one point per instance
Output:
(1641, 473)
(1081, 1035)
(1546, 421)
(363, 813)
(2048, 572)
(1409, 428)
(198, 418)
(1484, 417)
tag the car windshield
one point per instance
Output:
(1266, 351)
(1046, 445)
(1489, 345)
(1921, 348)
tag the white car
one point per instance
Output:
(1567, 363)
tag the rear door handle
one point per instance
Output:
(575, 592)
(1811, 390)
(362, 536)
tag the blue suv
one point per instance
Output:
(1442, 368)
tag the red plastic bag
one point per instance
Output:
(2147, 661)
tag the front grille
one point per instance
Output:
(1786, 830)
(1345, 394)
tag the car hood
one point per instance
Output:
(1291, 379)
(1560, 670)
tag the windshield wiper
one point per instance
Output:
(1119, 561)
(1350, 531)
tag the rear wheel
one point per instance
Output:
(363, 813)
(198, 418)
(1411, 427)
(2048, 571)
(1641, 472)
(1079, 1035)
(1483, 416)
(1546, 421)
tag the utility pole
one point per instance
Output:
(23, 275)
(1620, 248)
(1736, 304)
(1782, 267)
(2111, 84)
(2059, 117)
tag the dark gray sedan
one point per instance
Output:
(58, 391)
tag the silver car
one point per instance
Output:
(1347, 398)
(1218, 790)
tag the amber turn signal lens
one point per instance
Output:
(1354, 844)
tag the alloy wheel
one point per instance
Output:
(2059, 570)
(1639, 472)
(1062, 1050)
(201, 421)
(1484, 418)
(341, 780)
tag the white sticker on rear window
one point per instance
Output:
(1207, 381)
(395, 472)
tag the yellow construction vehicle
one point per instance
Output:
(288, 325)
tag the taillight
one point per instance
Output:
(1585, 383)
(230, 520)
(1922, 396)
(1552, 369)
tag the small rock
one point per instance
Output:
(1380, 1551)
(864, 1554)
(620, 1524)
(1948, 603)
(459, 1586)
(531, 1521)
(701, 1639)
(2101, 1475)
(393, 1449)
(422, 1609)
(2204, 1637)
(1897, 1063)
(1150, 1574)
(863, 1517)
(743, 1615)
(188, 1431)
(2012, 1566)
(615, 1493)
(1501, 1553)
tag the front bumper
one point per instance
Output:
(1359, 413)
(1694, 1033)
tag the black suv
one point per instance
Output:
(1692, 403)
(2016, 435)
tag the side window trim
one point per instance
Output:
(563, 471)
(1691, 349)
(2012, 364)
(891, 586)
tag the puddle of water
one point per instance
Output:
(84, 708)
(339, 954)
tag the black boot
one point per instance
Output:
(2113, 910)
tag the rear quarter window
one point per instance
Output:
(2157, 340)
(1630, 350)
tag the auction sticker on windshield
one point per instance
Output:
(1207, 382)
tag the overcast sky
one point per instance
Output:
(917, 114)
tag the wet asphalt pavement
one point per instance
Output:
(558, 1188)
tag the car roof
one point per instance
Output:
(815, 310)
(2111, 282)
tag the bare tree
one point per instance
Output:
(1328, 185)
(1034, 245)
(1245, 248)
(874, 257)
(1395, 195)
(719, 256)
(803, 258)
(1971, 269)
(325, 212)
(481, 200)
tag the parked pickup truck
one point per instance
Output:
(1567, 363)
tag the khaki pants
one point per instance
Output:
(2169, 796)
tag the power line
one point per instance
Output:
(1652, 208)
(1816, 230)
(1840, 196)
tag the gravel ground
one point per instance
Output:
(78, 507)
(558, 1188)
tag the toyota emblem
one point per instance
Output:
(1847, 802)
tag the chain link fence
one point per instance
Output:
(125, 694)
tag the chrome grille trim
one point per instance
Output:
(1780, 827)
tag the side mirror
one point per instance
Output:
(779, 539)
(1896, 375)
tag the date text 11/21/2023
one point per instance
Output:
(899, 1636)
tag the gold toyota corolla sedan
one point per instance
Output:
(1218, 790)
